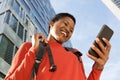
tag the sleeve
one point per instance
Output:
(95, 74)
(22, 63)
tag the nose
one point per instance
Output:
(67, 30)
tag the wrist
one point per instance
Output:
(98, 67)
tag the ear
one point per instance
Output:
(51, 24)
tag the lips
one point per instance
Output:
(64, 33)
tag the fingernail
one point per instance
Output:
(97, 40)
(103, 38)
(92, 46)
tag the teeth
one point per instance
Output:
(64, 33)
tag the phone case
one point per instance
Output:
(105, 32)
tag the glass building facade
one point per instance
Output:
(19, 20)
(114, 6)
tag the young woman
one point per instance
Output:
(61, 28)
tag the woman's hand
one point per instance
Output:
(36, 39)
(103, 53)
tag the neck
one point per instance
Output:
(52, 39)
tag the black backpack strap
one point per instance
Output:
(53, 67)
(38, 58)
(39, 55)
(76, 52)
(43, 47)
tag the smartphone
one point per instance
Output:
(105, 32)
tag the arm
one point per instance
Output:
(101, 61)
(95, 74)
(24, 59)
(22, 62)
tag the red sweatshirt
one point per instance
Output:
(68, 65)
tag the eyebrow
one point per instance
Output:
(69, 24)
(67, 21)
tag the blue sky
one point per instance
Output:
(90, 16)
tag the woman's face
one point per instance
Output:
(62, 29)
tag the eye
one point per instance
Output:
(71, 30)
(65, 23)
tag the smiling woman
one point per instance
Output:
(61, 27)
(69, 66)
(90, 16)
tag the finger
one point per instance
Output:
(43, 38)
(92, 57)
(37, 36)
(40, 37)
(101, 55)
(35, 41)
(108, 45)
(100, 45)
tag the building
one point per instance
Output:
(19, 20)
(114, 6)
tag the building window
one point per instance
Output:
(25, 5)
(26, 22)
(37, 22)
(7, 17)
(2, 75)
(36, 6)
(22, 14)
(0, 37)
(1, 17)
(9, 52)
(16, 6)
(11, 2)
(20, 31)
(6, 49)
(13, 23)
(16, 49)
(25, 35)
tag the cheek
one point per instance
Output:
(70, 35)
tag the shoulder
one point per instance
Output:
(26, 44)
(74, 51)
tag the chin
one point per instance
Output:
(60, 40)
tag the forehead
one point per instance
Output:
(68, 19)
